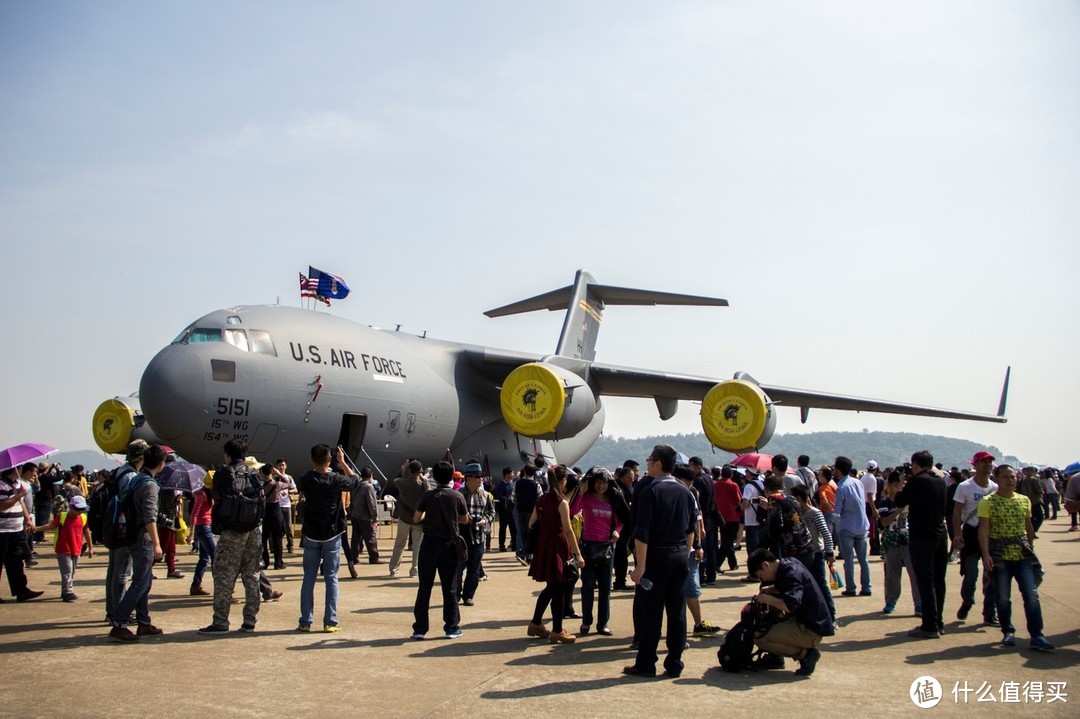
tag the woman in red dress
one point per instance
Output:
(554, 547)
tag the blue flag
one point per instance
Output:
(329, 285)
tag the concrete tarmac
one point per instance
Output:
(55, 659)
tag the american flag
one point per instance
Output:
(309, 288)
(329, 285)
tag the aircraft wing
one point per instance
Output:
(631, 382)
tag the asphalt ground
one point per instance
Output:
(55, 659)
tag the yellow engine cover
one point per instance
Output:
(736, 416)
(113, 422)
(533, 399)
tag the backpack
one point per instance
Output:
(241, 506)
(807, 476)
(737, 652)
(120, 524)
(760, 512)
(96, 505)
(787, 530)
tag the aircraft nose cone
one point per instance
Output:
(171, 392)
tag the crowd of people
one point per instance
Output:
(681, 522)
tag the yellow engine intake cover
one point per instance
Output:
(733, 415)
(533, 400)
(113, 422)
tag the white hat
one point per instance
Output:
(871, 465)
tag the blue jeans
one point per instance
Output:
(522, 520)
(853, 546)
(328, 554)
(137, 596)
(754, 536)
(971, 559)
(469, 572)
(832, 520)
(204, 541)
(116, 579)
(1021, 570)
(817, 570)
(596, 577)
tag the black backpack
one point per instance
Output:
(238, 507)
(760, 512)
(737, 652)
(120, 524)
(787, 530)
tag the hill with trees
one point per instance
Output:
(887, 448)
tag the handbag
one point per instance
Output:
(596, 552)
(571, 572)
(460, 548)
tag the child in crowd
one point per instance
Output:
(71, 534)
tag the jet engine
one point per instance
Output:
(118, 421)
(738, 416)
(545, 401)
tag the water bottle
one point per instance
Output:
(645, 583)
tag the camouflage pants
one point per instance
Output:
(238, 554)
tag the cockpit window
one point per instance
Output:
(203, 334)
(261, 342)
(237, 338)
(257, 341)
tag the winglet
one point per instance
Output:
(1004, 393)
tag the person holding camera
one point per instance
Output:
(481, 513)
(795, 593)
(323, 529)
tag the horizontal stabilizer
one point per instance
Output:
(557, 300)
(585, 302)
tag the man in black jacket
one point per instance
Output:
(925, 494)
(707, 498)
(795, 592)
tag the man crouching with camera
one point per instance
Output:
(793, 591)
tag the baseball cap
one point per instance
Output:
(78, 502)
(871, 464)
(980, 456)
(458, 475)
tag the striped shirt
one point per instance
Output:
(819, 530)
(13, 518)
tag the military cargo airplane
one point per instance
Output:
(283, 379)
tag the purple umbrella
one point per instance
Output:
(23, 453)
(181, 475)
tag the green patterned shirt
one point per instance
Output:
(1008, 518)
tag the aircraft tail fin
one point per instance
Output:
(1004, 393)
(585, 301)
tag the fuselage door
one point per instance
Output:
(351, 438)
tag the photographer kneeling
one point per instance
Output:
(795, 592)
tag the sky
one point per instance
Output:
(885, 192)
